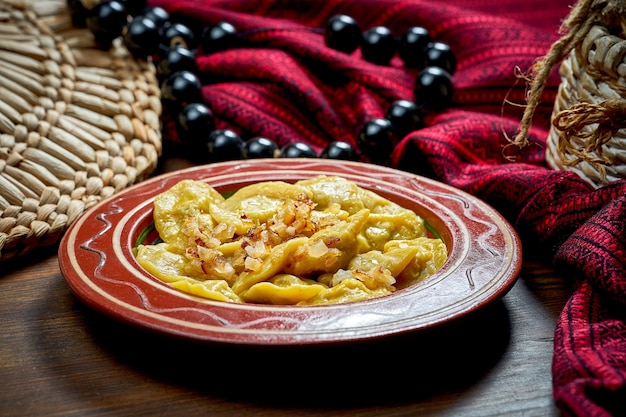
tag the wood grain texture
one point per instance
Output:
(59, 357)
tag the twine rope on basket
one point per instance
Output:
(609, 116)
(578, 141)
(77, 124)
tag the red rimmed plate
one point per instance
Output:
(96, 259)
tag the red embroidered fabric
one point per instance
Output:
(286, 85)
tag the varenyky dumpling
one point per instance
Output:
(318, 241)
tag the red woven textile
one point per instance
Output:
(286, 85)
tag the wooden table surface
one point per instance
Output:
(58, 357)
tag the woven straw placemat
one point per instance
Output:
(77, 124)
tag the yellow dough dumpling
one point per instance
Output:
(322, 240)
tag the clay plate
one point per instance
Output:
(96, 259)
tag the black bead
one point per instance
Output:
(141, 37)
(376, 139)
(379, 45)
(433, 89)
(225, 145)
(181, 88)
(413, 44)
(342, 34)
(179, 34)
(439, 54)
(339, 150)
(405, 116)
(195, 121)
(107, 21)
(176, 59)
(298, 150)
(157, 14)
(260, 147)
(219, 37)
(194, 124)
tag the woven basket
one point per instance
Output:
(77, 124)
(588, 132)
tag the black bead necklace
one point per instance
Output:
(150, 33)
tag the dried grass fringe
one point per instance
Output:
(588, 131)
(77, 124)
